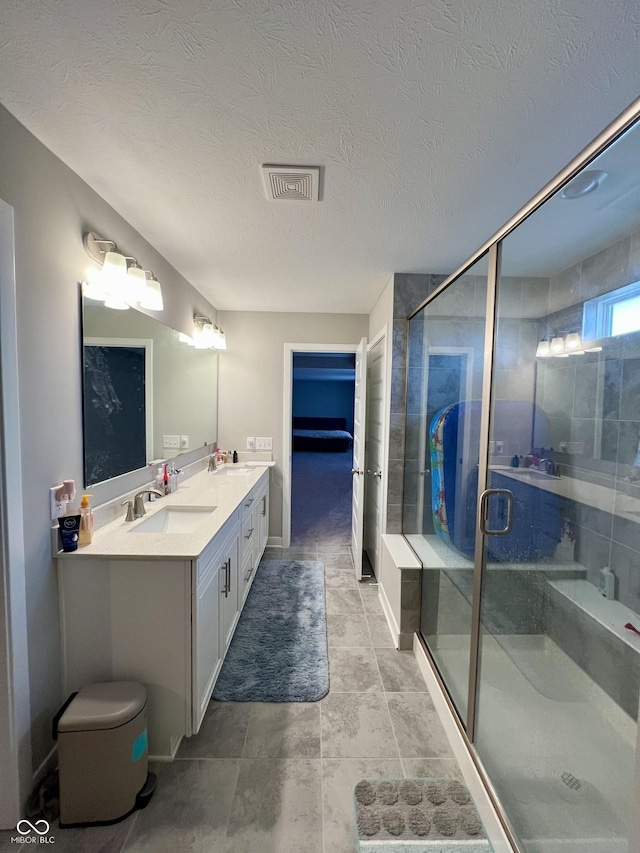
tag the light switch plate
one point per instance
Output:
(264, 443)
(251, 442)
(499, 446)
(171, 441)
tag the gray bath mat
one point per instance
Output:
(279, 650)
(418, 815)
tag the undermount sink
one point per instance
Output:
(174, 519)
(235, 471)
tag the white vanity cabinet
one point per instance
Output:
(214, 614)
(133, 610)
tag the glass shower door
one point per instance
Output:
(444, 393)
(557, 685)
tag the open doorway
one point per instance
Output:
(322, 409)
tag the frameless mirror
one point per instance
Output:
(146, 394)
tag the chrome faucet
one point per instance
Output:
(138, 502)
(549, 467)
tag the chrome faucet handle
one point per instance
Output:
(129, 505)
(138, 501)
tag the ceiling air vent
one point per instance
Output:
(291, 183)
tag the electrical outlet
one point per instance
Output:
(263, 443)
(251, 443)
(563, 447)
(184, 442)
(171, 441)
(499, 446)
(57, 508)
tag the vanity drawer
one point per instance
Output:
(247, 505)
(247, 535)
(246, 576)
(214, 552)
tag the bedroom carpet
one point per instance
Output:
(321, 486)
(279, 650)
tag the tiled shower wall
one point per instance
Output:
(409, 290)
(593, 401)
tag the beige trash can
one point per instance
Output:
(102, 753)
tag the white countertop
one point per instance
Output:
(117, 538)
(600, 497)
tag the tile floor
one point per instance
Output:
(279, 778)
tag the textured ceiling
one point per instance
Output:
(434, 122)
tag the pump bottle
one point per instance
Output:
(85, 534)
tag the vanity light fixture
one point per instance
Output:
(121, 284)
(206, 335)
(563, 347)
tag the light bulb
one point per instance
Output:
(137, 283)
(543, 350)
(114, 276)
(557, 346)
(152, 299)
(94, 289)
(115, 303)
(222, 341)
(572, 342)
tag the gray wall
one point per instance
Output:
(251, 377)
(53, 207)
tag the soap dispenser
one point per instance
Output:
(85, 534)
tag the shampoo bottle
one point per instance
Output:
(85, 534)
(607, 583)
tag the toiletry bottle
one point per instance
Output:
(235, 456)
(515, 462)
(607, 583)
(69, 530)
(85, 534)
(165, 480)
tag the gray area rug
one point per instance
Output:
(419, 815)
(279, 650)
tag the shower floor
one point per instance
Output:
(559, 751)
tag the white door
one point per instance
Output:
(359, 414)
(375, 444)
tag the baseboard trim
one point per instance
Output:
(492, 824)
(388, 613)
(45, 766)
(274, 542)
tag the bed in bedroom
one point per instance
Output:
(322, 434)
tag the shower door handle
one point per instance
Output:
(356, 471)
(485, 498)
